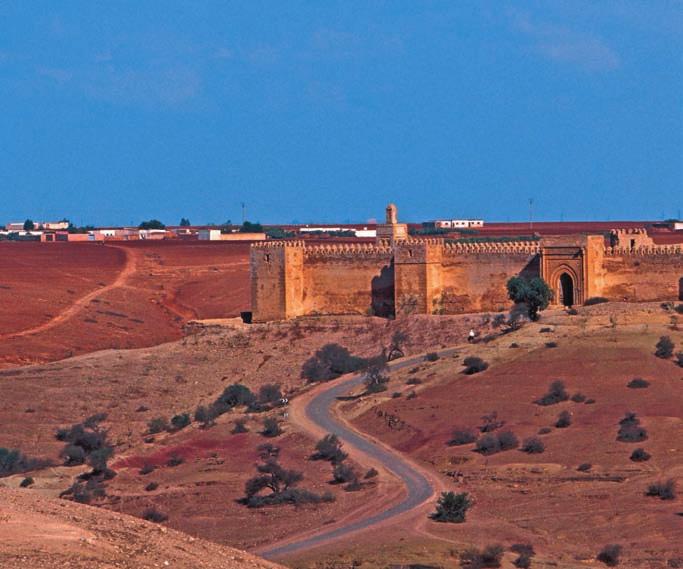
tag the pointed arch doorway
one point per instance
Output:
(566, 290)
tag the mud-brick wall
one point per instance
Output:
(634, 277)
(343, 284)
(276, 282)
(474, 282)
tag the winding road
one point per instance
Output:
(418, 485)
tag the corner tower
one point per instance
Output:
(277, 283)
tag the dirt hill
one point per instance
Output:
(41, 533)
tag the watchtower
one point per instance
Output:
(391, 230)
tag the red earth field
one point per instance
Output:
(64, 299)
(567, 514)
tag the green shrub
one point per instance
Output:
(462, 437)
(638, 383)
(154, 515)
(376, 376)
(329, 448)
(26, 482)
(452, 507)
(662, 490)
(595, 300)
(85, 491)
(157, 425)
(86, 442)
(175, 460)
(556, 394)
(494, 443)
(329, 362)
(235, 395)
(533, 445)
(534, 294)
(12, 461)
(664, 348)
(609, 555)
(526, 552)
(630, 430)
(343, 473)
(491, 422)
(180, 421)
(270, 394)
(564, 420)
(507, 440)
(640, 455)
(489, 557)
(474, 364)
(203, 415)
(271, 427)
(281, 483)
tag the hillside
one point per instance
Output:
(41, 533)
(63, 299)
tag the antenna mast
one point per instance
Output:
(531, 214)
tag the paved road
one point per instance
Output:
(418, 486)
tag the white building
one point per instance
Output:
(458, 223)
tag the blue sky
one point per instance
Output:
(114, 112)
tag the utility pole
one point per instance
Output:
(244, 213)
(531, 214)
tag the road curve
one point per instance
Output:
(419, 488)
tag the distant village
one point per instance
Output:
(64, 230)
(663, 232)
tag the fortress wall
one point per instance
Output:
(474, 282)
(276, 280)
(417, 275)
(642, 274)
(347, 285)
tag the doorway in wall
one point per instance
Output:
(566, 290)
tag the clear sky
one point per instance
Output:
(114, 112)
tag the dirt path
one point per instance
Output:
(128, 269)
(314, 412)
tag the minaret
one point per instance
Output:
(392, 230)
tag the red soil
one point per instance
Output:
(541, 498)
(85, 297)
(38, 281)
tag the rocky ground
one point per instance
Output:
(42, 533)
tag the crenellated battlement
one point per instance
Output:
(493, 248)
(348, 250)
(280, 244)
(645, 251)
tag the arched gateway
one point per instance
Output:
(567, 265)
(566, 290)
